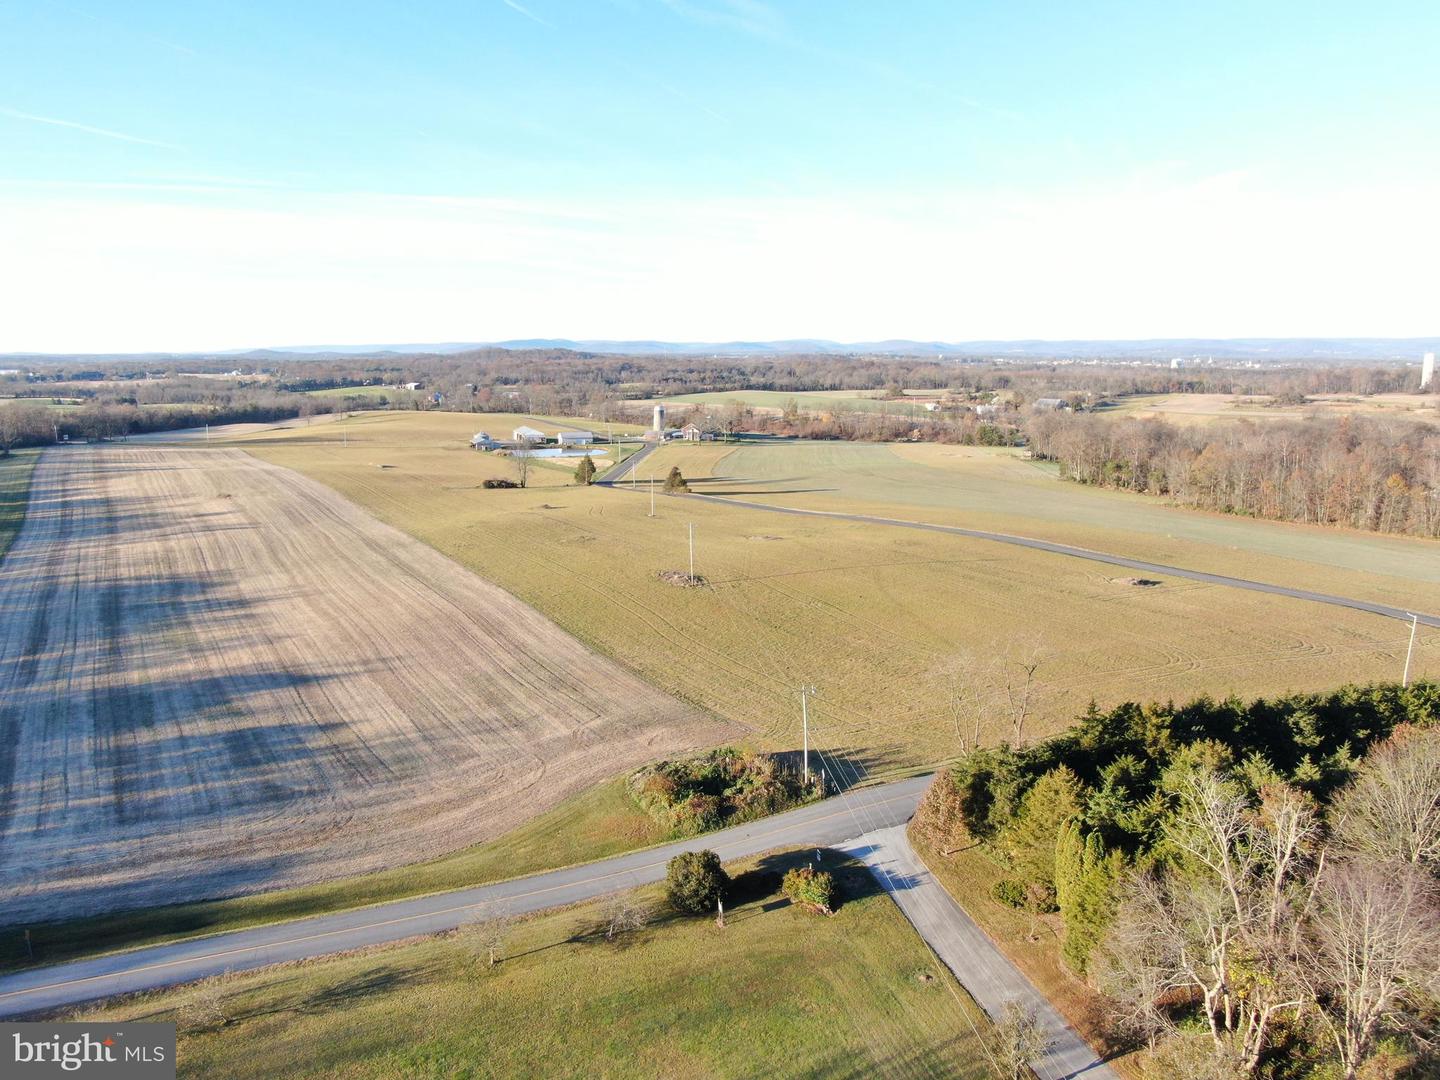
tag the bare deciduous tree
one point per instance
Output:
(1018, 683)
(20, 423)
(1225, 922)
(623, 914)
(520, 458)
(1392, 810)
(208, 1005)
(1373, 954)
(487, 934)
(1017, 1039)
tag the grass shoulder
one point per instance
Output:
(778, 991)
(16, 470)
(596, 824)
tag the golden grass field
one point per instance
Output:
(777, 993)
(886, 622)
(1203, 408)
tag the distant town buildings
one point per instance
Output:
(1177, 363)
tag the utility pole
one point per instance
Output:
(805, 692)
(207, 433)
(652, 494)
(692, 553)
(1409, 652)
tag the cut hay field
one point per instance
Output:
(217, 677)
(776, 993)
(1001, 490)
(885, 621)
(1203, 408)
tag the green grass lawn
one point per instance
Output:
(778, 992)
(593, 825)
(15, 473)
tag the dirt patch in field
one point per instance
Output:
(681, 578)
(764, 538)
(203, 696)
(1138, 582)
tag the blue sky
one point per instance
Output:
(210, 175)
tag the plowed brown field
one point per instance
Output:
(217, 676)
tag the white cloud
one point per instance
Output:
(104, 133)
(1223, 257)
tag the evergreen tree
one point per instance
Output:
(1086, 876)
(585, 471)
(675, 483)
(1030, 841)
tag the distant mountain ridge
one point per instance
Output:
(1149, 348)
(1354, 349)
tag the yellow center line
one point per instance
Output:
(402, 919)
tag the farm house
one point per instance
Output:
(482, 441)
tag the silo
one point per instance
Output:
(659, 418)
(1427, 370)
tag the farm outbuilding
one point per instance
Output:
(691, 433)
(527, 434)
(483, 441)
(576, 438)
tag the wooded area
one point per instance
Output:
(1355, 471)
(1253, 885)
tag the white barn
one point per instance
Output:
(576, 438)
(527, 434)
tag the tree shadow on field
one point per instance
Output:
(757, 890)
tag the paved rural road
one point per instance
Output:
(619, 472)
(823, 824)
(963, 947)
(1093, 556)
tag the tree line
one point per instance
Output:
(1255, 886)
(1357, 471)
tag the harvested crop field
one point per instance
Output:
(217, 676)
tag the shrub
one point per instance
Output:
(722, 786)
(500, 484)
(810, 888)
(1009, 892)
(675, 483)
(695, 881)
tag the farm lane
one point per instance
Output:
(966, 950)
(1094, 556)
(218, 676)
(823, 824)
